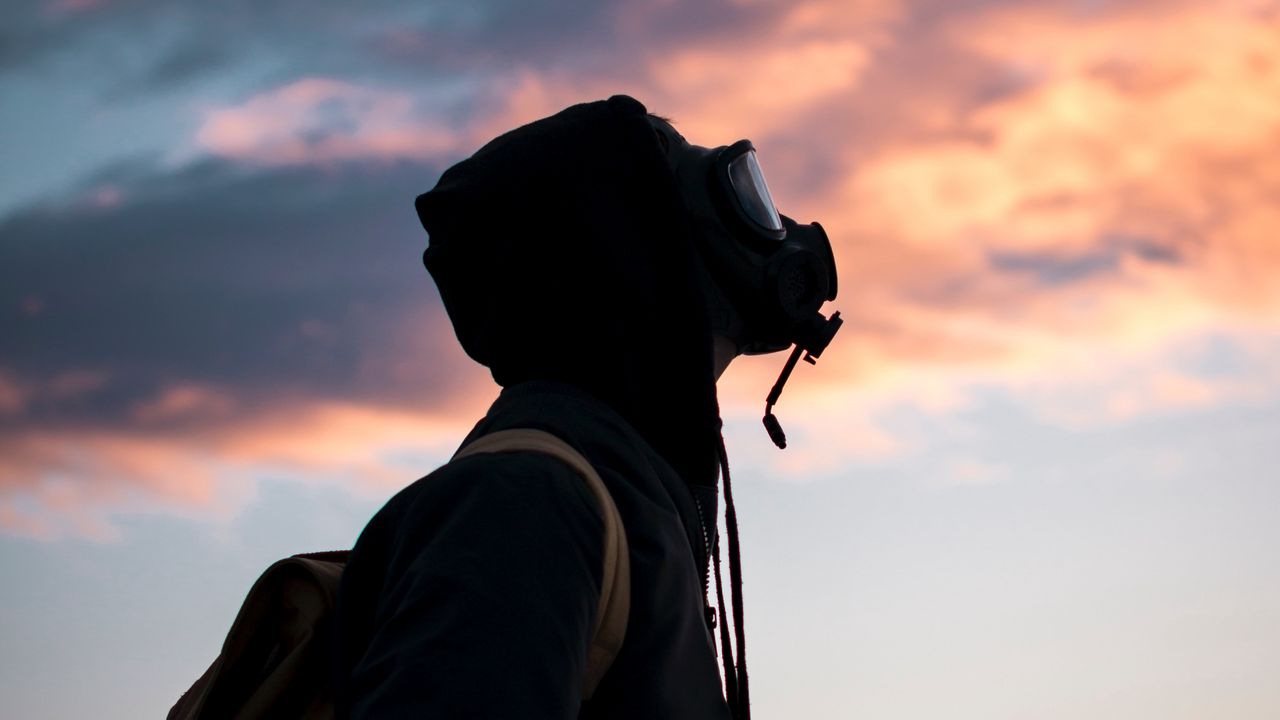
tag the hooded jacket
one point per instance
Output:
(564, 257)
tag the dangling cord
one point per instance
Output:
(726, 649)
(742, 711)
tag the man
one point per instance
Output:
(583, 261)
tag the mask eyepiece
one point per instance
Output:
(739, 182)
(752, 192)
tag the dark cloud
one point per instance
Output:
(487, 32)
(14, 47)
(1053, 269)
(173, 41)
(259, 283)
(262, 284)
(127, 48)
(119, 53)
(1148, 249)
(37, 29)
(604, 36)
(180, 65)
(1059, 268)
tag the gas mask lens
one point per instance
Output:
(752, 191)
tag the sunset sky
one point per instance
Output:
(1033, 478)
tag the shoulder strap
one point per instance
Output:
(615, 592)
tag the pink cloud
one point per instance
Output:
(185, 401)
(17, 394)
(75, 383)
(319, 120)
(13, 399)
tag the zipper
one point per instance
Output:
(708, 612)
(706, 547)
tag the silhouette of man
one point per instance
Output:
(582, 258)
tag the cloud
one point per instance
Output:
(1076, 152)
(322, 119)
(748, 70)
(1051, 268)
(184, 401)
(209, 303)
(1045, 199)
(721, 93)
(1113, 199)
(73, 7)
(493, 36)
(13, 399)
(716, 85)
(61, 481)
(275, 282)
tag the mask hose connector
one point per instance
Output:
(812, 342)
(770, 420)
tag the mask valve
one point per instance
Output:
(814, 338)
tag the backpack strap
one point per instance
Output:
(615, 587)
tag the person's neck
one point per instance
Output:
(723, 352)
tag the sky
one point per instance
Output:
(1033, 477)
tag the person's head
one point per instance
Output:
(562, 251)
(566, 249)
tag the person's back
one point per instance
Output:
(568, 261)
(478, 583)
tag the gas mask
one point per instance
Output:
(765, 275)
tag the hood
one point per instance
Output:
(563, 251)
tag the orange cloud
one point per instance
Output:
(718, 87)
(59, 481)
(720, 94)
(1139, 125)
(1117, 133)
